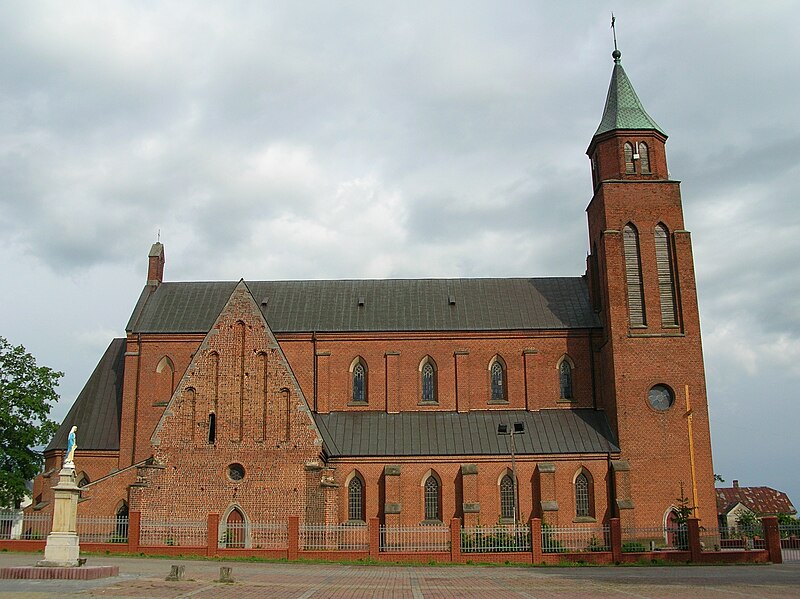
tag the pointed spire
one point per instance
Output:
(623, 109)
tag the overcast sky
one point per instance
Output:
(293, 140)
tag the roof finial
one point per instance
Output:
(158, 238)
(616, 54)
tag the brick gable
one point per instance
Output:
(239, 383)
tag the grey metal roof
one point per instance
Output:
(97, 409)
(387, 305)
(623, 108)
(556, 431)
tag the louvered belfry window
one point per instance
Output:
(644, 158)
(666, 280)
(629, 166)
(633, 276)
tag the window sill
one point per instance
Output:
(506, 521)
(584, 519)
(428, 402)
(431, 523)
(355, 523)
(358, 404)
(498, 402)
(565, 400)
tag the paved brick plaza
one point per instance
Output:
(145, 578)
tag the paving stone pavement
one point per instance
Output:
(144, 577)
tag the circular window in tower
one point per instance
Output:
(660, 397)
(236, 472)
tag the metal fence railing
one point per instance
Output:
(269, 535)
(334, 537)
(654, 539)
(167, 534)
(575, 540)
(415, 538)
(488, 539)
(103, 530)
(17, 525)
(258, 535)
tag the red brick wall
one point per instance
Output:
(407, 488)
(262, 423)
(631, 361)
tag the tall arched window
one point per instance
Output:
(644, 158)
(565, 379)
(428, 380)
(359, 382)
(666, 281)
(633, 276)
(507, 499)
(355, 499)
(629, 166)
(498, 381)
(432, 499)
(165, 380)
(212, 428)
(582, 502)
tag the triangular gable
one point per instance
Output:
(242, 359)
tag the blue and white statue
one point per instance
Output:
(72, 445)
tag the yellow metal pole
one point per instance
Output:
(691, 453)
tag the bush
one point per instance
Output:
(633, 547)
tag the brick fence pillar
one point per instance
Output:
(536, 540)
(134, 531)
(293, 550)
(212, 534)
(374, 537)
(615, 526)
(772, 536)
(455, 541)
(693, 530)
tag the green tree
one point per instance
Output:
(27, 393)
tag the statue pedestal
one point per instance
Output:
(63, 549)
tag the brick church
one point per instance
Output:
(341, 401)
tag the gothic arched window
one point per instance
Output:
(355, 499)
(565, 379)
(428, 376)
(498, 376)
(582, 496)
(630, 168)
(359, 382)
(633, 276)
(507, 499)
(432, 499)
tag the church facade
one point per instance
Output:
(341, 401)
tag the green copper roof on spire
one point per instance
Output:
(623, 109)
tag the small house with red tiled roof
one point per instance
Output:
(760, 501)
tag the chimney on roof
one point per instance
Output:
(155, 267)
(735, 484)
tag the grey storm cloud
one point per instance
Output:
(364, 139)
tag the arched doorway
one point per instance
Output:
(235, 530)
(673, 529)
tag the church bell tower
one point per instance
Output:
(649, 363)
